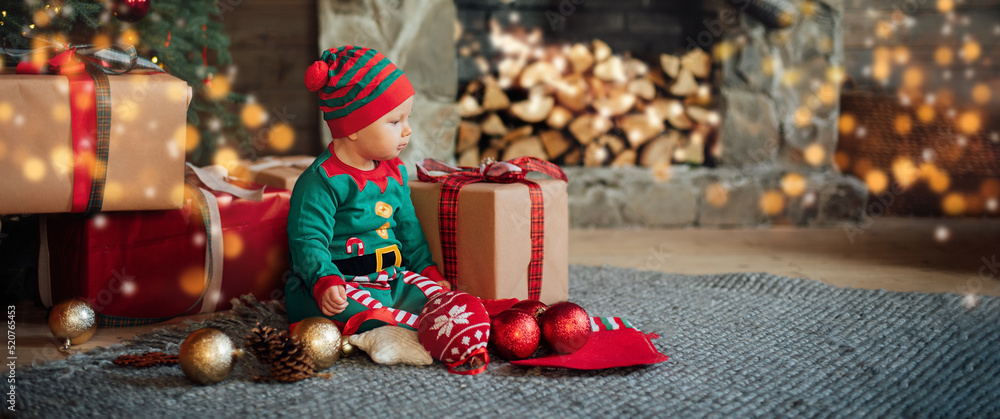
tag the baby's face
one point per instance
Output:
(386, 137)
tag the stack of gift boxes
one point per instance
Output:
(144, 237)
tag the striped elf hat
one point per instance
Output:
(357, 86)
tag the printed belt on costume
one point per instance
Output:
(370, 263)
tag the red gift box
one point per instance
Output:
(141, 267)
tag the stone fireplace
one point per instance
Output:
(774, 93)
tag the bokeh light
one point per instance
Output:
(815, 154)
(232, 245)
(716, 195)
(904, 171)
(281, 137)
(953, 204)
(847, 124)
(772, 202)
(793, 184)
(253, 116)
(33, 170)
(969, 122)
(192, 137)
(218, 87)
(192, 280)
(981, 93)
(877, 181)
(226, 157)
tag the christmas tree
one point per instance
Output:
(184, 37)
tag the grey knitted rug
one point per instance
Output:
(739, 345)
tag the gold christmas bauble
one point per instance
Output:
(346, 349)
(321, 340)
(207, 356)
(72, 322)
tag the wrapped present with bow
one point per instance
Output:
(142, 267)
(494, 232)
(276, 171)
(91, 130)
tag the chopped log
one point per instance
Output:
(536, 108)
(572, 93)
(685, 84)
(601, 50)
(598, 89)
(517, 134)
(614, 143)
(530, 147)
(671, 65)
(539, 72)
(624, 159)
(698, 62)
(700, 115)
(468, 135)
(642, 87)
(635, 68)
(659, 150)
(701, 97)
(493, 125)
(573, 157)
(641, 127)
(672, 111)
(610, 70)
(595, 155)
(580, 58)
(473, 87)
(494, 97)
(618, 102)
(691, 148)
(468, 107)
(509, 69)
(559, 117)
(657, 78)
(555, 142)
(586, 127)
(469, 157)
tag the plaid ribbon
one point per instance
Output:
(513, 171)
(98, 63)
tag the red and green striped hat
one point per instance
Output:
(357, 86)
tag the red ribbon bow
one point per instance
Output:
(512, 171)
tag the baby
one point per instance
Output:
(358, 254)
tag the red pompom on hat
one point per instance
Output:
(317, 75)
(356, 86)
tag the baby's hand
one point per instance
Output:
(444, 284)
(334, 300)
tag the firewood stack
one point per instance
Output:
(584, 105)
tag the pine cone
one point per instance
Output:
(291, 362)
(149, 359)
(262, 342)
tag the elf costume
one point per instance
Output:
(354, 227)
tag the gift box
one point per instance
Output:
(141, 267)
(493, 237)
(51, 154)
(279, 172)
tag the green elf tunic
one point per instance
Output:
(357, 228)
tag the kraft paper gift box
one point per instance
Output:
(47, 157)
(494, 237)
(140, 267)
(279, 172)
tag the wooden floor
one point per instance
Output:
(924, 255)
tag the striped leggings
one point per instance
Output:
(400, 298)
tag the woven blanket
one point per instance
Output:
(739, 345)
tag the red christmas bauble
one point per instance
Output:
(130, 10)
(535, 307)
(453, 326)
(565, 326)
(515, 334)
